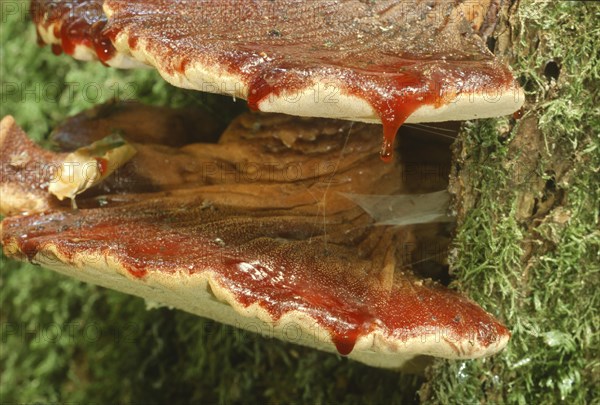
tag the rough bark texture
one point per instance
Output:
(527, 196)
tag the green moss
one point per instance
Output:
(540, 273)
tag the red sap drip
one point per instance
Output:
(258, 90)
(67, 34)
(56, 49)
(77, 22)
(180, 68)
(392, 120)
(387, 147)
(29, 248)
(104, 49)
(345, 343)
(102, 45)
(518, 114)
(394, 93)
(102, 165)
(393, 113)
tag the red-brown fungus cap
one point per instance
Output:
(221, 231)
(385, 61)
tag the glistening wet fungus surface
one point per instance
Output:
(179, 236)
(285, 255)
(278, 48)
(396, 55)
(74, 23)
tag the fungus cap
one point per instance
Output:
(385, 62)
(261, 255)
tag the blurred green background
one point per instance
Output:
(64, 341)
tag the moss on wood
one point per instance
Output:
(528, 244)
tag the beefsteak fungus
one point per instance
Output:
(271, 228)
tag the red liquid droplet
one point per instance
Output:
(56, 49)
(67, 34)
(102, 45)
(344, 343)
(77, 22)
(102, 165)
(29, 248)
(387, 147)
(259, 89)
(104, 50)
(518, 114)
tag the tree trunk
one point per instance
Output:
(527, 198)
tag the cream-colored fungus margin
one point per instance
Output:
(85, 53)
(321, 99)
(203, 295)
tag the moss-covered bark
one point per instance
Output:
(528, 195)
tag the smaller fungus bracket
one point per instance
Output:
(228, 244)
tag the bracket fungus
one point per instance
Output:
(387, 62)
(253, 233)
(288, 225)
